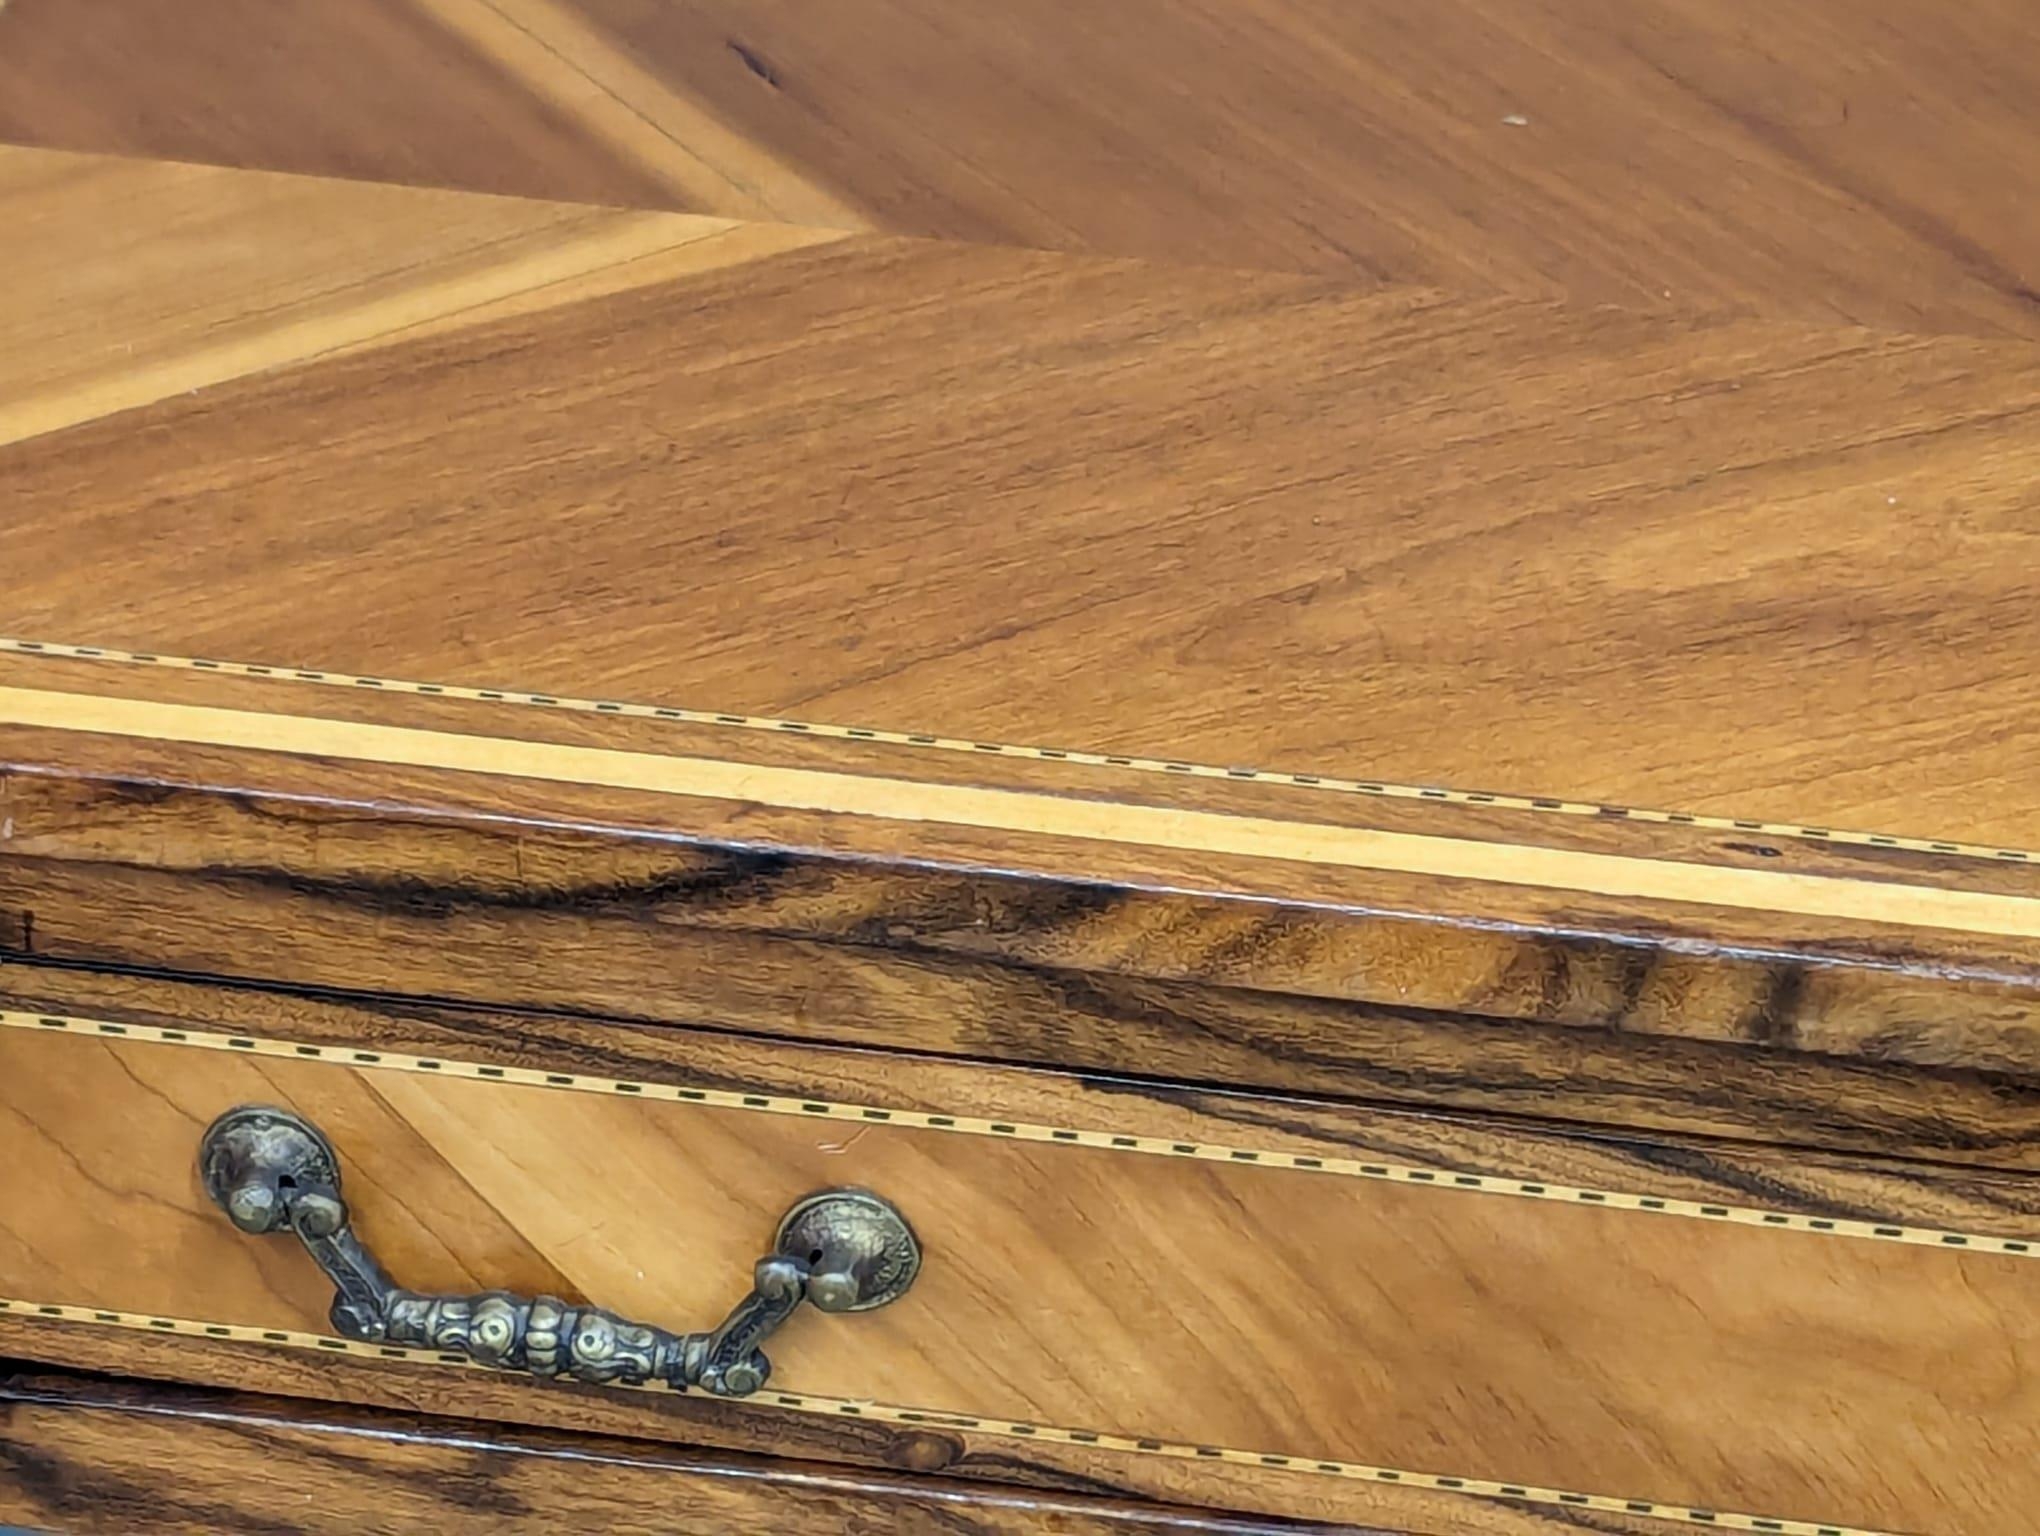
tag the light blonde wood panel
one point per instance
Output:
(1866, 161)
(151, 280)
(1252, 520)
(1316, 1315)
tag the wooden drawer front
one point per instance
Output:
(1234, 1301)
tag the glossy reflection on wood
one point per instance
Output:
(1479, 1335)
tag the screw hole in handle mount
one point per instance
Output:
(843, 1250)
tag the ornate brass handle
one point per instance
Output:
(844, 1250)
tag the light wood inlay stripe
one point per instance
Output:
(1098, 1440)
(1448, 1180)
(1031, 812)
(1433, 794)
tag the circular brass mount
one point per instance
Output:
(256, 1161)
(858, 1249)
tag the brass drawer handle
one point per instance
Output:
(844, 1250)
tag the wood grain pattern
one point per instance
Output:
(164, 279)
(458, 489)
(94, 1458)
(1829, 899)
(1121, 1029)
(487, 895)
(561, 57)
(778, 740)
(1860, 162)
(1147, 1116)
(1513, 1350)
(372, 92)
(1153, 550)
(327, 1377)
(1213, 511)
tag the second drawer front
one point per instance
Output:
(1279, 1297)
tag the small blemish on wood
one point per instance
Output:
(755, 64)
(923, 1450)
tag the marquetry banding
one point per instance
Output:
(1444, 1179)
(1097, 1440)
(1035, 813)
(1330, 783)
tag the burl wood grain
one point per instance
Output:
(1863, 162)
(93, 1458)
(1521, 1339)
